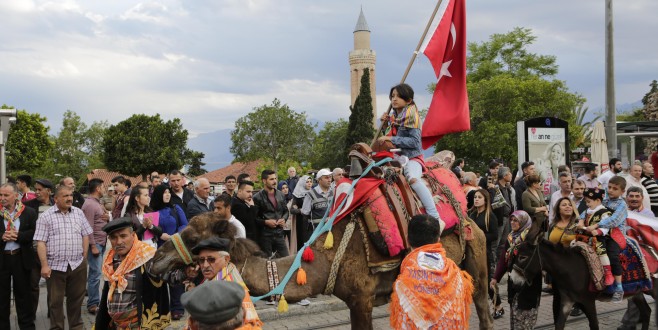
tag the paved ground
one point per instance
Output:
(327, 312)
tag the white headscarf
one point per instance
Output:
(300, 189)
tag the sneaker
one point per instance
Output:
(617, 296)
(575, 311)
(498, 313)
(304, 302)
(270, 302)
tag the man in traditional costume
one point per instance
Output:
(132, 298)
(431, 291)
(215, 264)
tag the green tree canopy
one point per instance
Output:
(360, 128)
(272, 132)
(507, 84)
(142, 144)
(28, 145)
(194, 159)
(327, 151)
(654, 88)
(77, 147)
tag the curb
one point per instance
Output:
(321, 304)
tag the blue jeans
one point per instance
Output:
(413, 170)
(94, 277)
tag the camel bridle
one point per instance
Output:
(182, 250)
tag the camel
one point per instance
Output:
(355, 284)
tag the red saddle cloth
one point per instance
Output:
(645, 231)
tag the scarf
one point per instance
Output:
(139, 254)
(300, 188)
(517, 237)
(406, 117)
(6, 214)
(431, 292)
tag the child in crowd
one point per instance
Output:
(616, 224)
(594, 214)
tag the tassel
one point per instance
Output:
(283, 305)
(308, 255)
(301, 276)
(329, 241)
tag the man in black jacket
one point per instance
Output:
(17, 259)
(272, 212)
(179, 194)
(243, 208)
(527, 168)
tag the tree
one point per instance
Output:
(507, 84)
(142, 144)
(654, 88)
(326, 147)
(360, 127)
(272, 132)
(28, 145)
(195, 161)
(581, 129)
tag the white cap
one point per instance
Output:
(322, 172)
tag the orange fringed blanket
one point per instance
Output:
(431, 292)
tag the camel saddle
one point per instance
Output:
(388, 209)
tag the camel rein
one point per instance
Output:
(182, 250)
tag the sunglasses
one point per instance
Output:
(211, 260)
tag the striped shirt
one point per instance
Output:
(652, 189)
(63, 233)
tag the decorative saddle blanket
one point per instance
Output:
(635, 276)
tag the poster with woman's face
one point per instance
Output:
(546, 147)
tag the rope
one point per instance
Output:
(181, 249)
(324, 226)
(329, 289)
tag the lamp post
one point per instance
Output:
(610, 111)
(7, 117)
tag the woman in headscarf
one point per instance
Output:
(289, 228)
(172, 217)
(524, 302)
(301, 189)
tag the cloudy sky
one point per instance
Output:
(210, 62)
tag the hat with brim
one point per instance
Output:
(116, 224)
(45, 183)
(214, 302)
(322, 172)
(213, 243)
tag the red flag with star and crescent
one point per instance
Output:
(446, 50)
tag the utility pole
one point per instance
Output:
(610, 108)
(7, 117)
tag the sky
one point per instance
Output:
(210, 62)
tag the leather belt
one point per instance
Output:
(12, 252)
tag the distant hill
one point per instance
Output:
(625, 108)
(215, 145)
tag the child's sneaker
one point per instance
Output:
(618, 294)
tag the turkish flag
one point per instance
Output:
(352, 197)
(446, 50)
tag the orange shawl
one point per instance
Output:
(139, 254)
(431, 292)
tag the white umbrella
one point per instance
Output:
(600, 146)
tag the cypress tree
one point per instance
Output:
(360, 128)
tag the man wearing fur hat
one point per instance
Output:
(132, 298)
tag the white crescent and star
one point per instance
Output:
(446, 65)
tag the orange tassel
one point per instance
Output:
(308, 255)
(301, 276)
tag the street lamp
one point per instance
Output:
(7, 117)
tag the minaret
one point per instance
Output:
(360, 58)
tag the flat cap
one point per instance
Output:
(213, 243)
(117, 224)
(213, 302)
(45, 183)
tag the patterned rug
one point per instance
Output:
(636, 276)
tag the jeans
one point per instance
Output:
(413, 170)
(94, 278)
(274, 243)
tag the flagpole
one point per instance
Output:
(411, 63)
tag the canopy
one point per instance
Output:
(600, 146)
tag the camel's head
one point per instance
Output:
(199, 228)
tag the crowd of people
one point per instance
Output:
(505, 207)
(58, 235)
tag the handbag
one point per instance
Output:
(498, 199)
